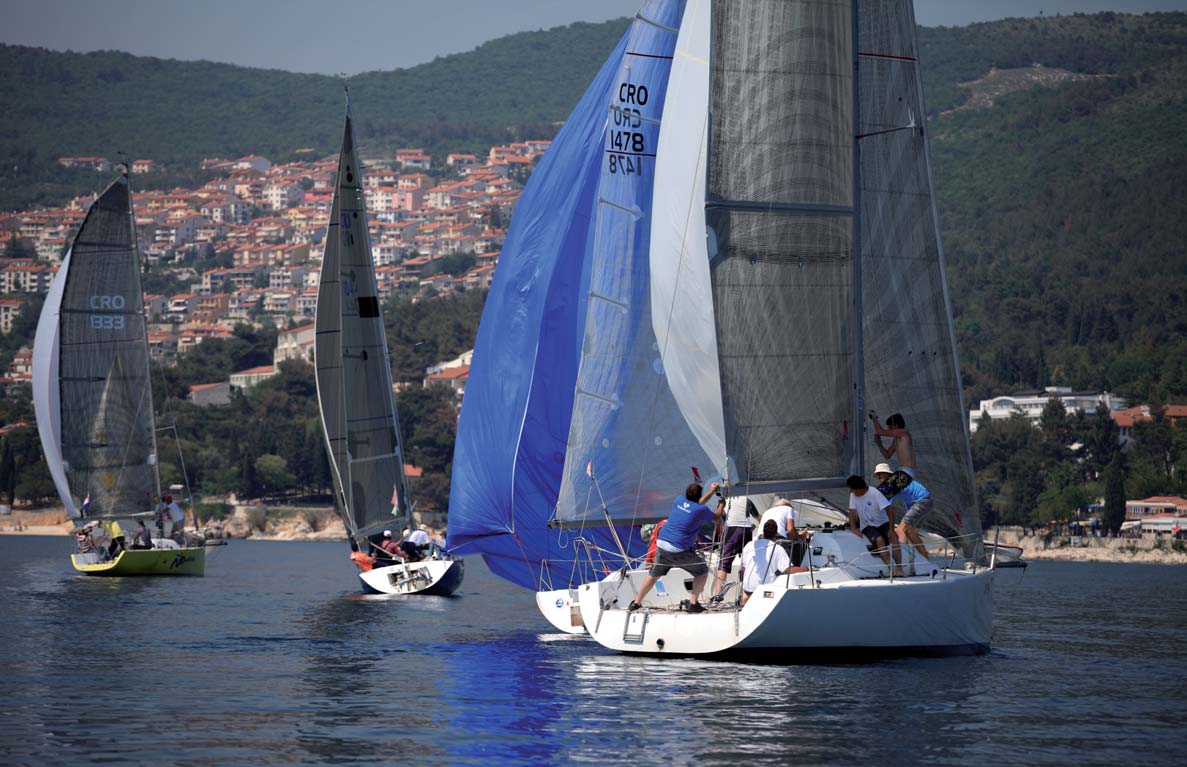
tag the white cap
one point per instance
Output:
(406, 531)
(387, 533)
(883, 468)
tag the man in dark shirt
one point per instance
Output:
(391, 547)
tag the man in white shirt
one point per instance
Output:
(763, 560)
(415, 542)
(174, 517)
(871, 515)
(784, 515)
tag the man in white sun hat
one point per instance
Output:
(916, 500)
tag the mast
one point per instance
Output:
(858, 428)
(154, 456)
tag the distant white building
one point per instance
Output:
(245, 379)
(1030, 404)
(295, 344)
(462, 360)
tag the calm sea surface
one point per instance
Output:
(273, 658)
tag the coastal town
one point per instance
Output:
(245, 247)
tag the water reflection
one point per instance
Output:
(274, 657)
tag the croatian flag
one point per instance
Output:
(86, 504)
(696, 475)
(589, 469)
(395, 501)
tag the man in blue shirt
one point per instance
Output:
(676, 545)
(916, 499)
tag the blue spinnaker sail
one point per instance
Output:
(514, 427)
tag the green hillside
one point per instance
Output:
(179, 112)
(1060, 188)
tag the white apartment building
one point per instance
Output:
(295, 344)
(1030, 404)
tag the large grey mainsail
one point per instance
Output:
(779, 209)
(825, 273)
(354, 383)
(108, 439)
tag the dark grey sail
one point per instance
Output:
(779, 208)
(354, 382)
(909, 347)
(108, 438)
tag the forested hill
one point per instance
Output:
(1060, 185)
(98, 104)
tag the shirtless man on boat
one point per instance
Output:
(900, 441)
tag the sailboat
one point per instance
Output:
(355, 397)
(746, 334)
(92, 395)
(795, 240)
(523, 396)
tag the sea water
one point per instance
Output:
(276, 658)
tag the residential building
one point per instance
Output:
(181, 306)
(212, 307)
(145, 166)
(1030, 404)
(89, 163)
(10, 309)
(1154, 505)
(454, 378)
(278, 301)
(21, 368)
(306, 304)
(162, 347)
(295, 344)
(462, 360)
(25, 276)
(283, 195)
(413, 159)
(211, 394)
(194, 333)
(252, 162)
(246, 379)
(1126, 419)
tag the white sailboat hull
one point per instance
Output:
(949, 614)
(560, 608)
(434, 577)
(845, 605)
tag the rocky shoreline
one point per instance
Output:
(320, 523)
(1148, 549)
(259, 523)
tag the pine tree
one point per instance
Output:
(7, 472)
(1114, 513)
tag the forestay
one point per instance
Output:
(353, 374)
(107, 434)
(625, 418)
